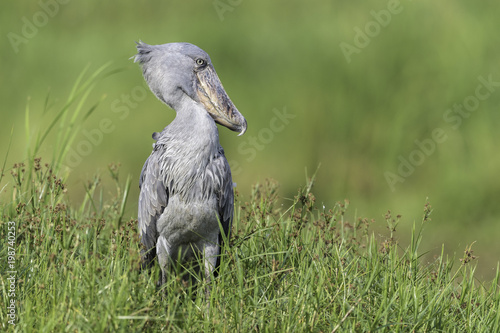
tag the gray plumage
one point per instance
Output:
(186, 185)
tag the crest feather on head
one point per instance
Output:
(144, 52)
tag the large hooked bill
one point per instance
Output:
(218, 104)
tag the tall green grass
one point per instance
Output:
(299, 267)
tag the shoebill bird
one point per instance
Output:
(186, 185)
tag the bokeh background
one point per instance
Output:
(345, 85)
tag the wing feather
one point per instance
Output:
(153, 200)
(225, 194)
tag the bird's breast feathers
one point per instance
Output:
(194, 178)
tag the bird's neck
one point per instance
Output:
(193, 128)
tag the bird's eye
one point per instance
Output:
(200, 62)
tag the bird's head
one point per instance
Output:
(175, 71)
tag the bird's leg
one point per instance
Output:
(211, 252)
(162, 252)
(210, 260)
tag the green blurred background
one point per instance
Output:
(358, 116)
